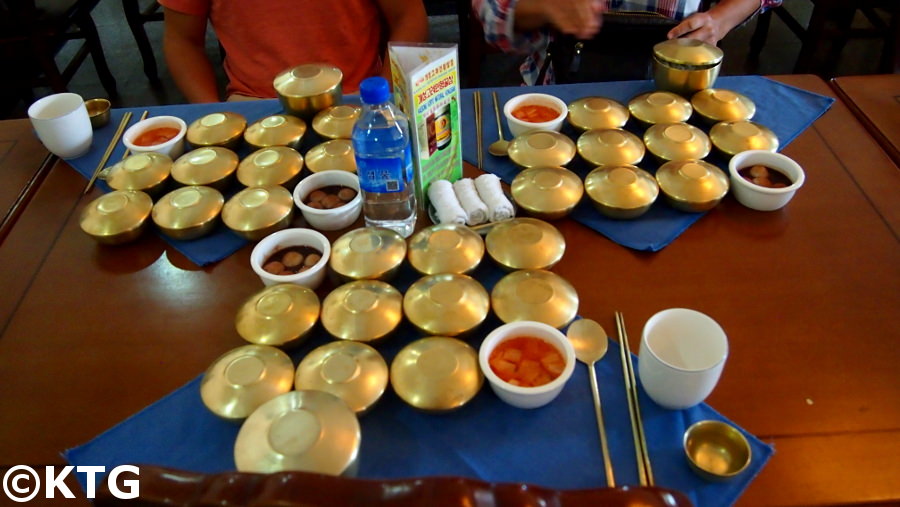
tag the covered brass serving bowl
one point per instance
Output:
(307, 89)
(363, 311)
(217, 129)
(244, 378)
(276, 130)
(692, 185)
(368, 253)
(525, 243)
(686, 66)
(714, 105)
(436, 374)
(148, 172)
(610, 147)
(716, 450)
(445, 248)
(336, 122)
(211, 166)
(336, 154)
(597, 113)
(256, 212)
(660, 107)
(117, 217)
(676, 141)
(447, 304)
(622, 192)
(188, 212)
(280, 315)
(276, 165)
(733, 137)
(541, 148)
(548, 193)
(352, 371)
(535, 294)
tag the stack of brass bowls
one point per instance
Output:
(336, 154)
(733, 137)
(548, 193)
(447, 304)
(336, 122)
(147, 172)
(660, 107)
(535, 294)
(256, 212)
(603, 147)
(217, 129)
(436, 374)
(676, 141)
(368, 253)
(276, 130)
(352, 371)
(244, 378)
(597, 113)
(622, 192)
(117, 217)
(280, 315)
(212, 166)
(307, 89)
(541, 148)
(277, 165)
(445, 248)
(188, 212)
(686, 66)
(692, 185)
(525, 243)
(363, 311)
(714, 105)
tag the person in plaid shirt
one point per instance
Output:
(523, 26)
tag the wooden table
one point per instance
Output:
(808, 296)
(22, 169)
(875, 100)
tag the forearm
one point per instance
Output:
(731, 13)
(184, 49)
(406, 22)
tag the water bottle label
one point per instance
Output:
(385, 175)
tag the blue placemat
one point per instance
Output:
(554, 446)
(786, 110)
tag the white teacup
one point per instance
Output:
(62, 124)
(681, 357)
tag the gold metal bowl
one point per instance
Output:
(548, 193)
(525, 243)
(676, 141)
(445, 248)
(256, 212)
(597, 113)
(336, 154)
(535, 294)
(276, 165)
(363, 311)
(223, 129)
(352, 371)
(276, 130)
(99, 111)
(714, 105)
(436, 374)
(336, 122)
(280, 315)
(307, 89)
(733, 137)
(603, 147)
(212, 166)
(716, 450)
(692, 185)
(117, 217)
(188, 212)
(660, 107)
(541, 148)
(622, 192)
(368, 253)
(686, 66)
(244, 378)
(148, 172)
(446, 304)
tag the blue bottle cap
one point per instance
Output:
(374, 90)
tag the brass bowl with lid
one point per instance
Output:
(447, 304)
(525, 243)
(621, 192)
(307, 431)
(336, 122)
(733, 137)
(692, 185)
(535, 294)
(280, 315)
(256, 212)
(686, 66)
(368, 253)
(212, 166)
(715, 104)
(610, 147)
(597, 113)
(541, 148)
(223, 129)
(276, 130)
(352, 371)
(362, 311)
(188, 212)
(244, 378)
(436, 374)
(276, 165)
(336, 154)
(117, 217)
(445, 248)
(676, 141)
(306, 89)
(660, 107)
(147, 172)
(548, 193)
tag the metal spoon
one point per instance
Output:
(590, 343)
(500, 147)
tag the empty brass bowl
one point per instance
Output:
(677, 141)
(307, 89)
(276, 130)
(525, 243)
(217, 129)
(117, 217)
(276, 165)
(212, 166)
(99, 111)
(716, 450)
(446, 304)
(244, 378)
(336, 154)
(535, 294)
(692, 185)
(548, 193)
(445, 248)
(686, 66)
(622, 192)
(148, 172)
(610, 147)
(352, 371)
(368, 253)
(714, 105)
(733, 137)
(597, 113)
(280, 315)
(188, 212)
(436, 374)
(336, 122)
(256, 212)
(660, 107)
(363, 311)
(541, 148)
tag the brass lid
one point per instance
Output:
(308, 431)
(367, 253)
(216, 129)
(610, 147)
(258, 208)
(597, 113)
(436, 373)
(330, 155)
(733, 137)
(660, 107)
(187, 209)
(692, 181)
(336, 122)
(677, 141)
(276, 130)
(525, 243)
(547, 191)
(275, 165)
(308, 80)
(205, 166)
(541, 148)
(352, 371)
(118, 213)
(535, 294)
(279, 315)
(244, 378)
(688, 53)
(363, 311)
(445, 248)
(447, 304)
(142, 171)
(623, 187)
(722, 105)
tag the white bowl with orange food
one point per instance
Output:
(526, 363)
(158, 134)
(534, 111)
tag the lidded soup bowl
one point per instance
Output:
(676, 141)
(256, 212)
(686, 66)
(117, 217)
(148, 172)
(597, 113)
(353, 371)
(610, 147)
(275, 165)
(276, 130)
(363, 310)
(212, 166)
(622, 192)
(536, 295)
(436, 374)
(244, 378)
(217, 129)
(447, 304)
(334, 155)
(692, 185)
(715, 104)
(525, 243)
(368, 253)
(733, 137)
(445, 248)
(306, 89)
(660, 107)
(548, 193)
(541, 148)
(336, 122)
(280, 315)
(188, 212)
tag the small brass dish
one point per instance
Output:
(597, 113)
(336, 154)
(535, 294)
(603, 147)
(660, 107)
(280, 315)
(686, 66)
(548, 193)
(541, 148)
(622, 192)
(336, 122)
(676, 141)
(188, 212)
(307, 89)
(363, 311)
(256, 212)
(716, 450)
(99, 111)
(244, 378)
(714, 105)
(445, 248)
(148, 172)
(446, 305)
(276, 130)
(352, 371)
(525, 243)
(692, 185)
(217, 129)
(733, 137)
(436, 374)
(212, 167)
(368, 253)
(276, 165)
(117, 217)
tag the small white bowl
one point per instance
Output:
(329, 219)
(518, 127)
(312, 277)
(527, 397)
(758, 197)
(174, 147)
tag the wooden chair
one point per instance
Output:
(137, 15)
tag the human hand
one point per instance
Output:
(579, 18)
(702, 26)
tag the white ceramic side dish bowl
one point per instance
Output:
(518, 127)
(285, 238)
(329, 219)
(174, 147)
(759, 197)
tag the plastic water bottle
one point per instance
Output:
(384, 160)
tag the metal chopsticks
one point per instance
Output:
(645, 471)
(478, 137)
(109, 149)
(127, 149)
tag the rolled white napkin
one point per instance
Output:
(446, 205)
(476, 210)
(490, 191)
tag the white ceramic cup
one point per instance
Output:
(682, 354)
(62, 123)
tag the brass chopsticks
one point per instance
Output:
(127, 149)
(477, 102)
(645, 471)
(109, 149)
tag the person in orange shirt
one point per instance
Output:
(264, 37)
